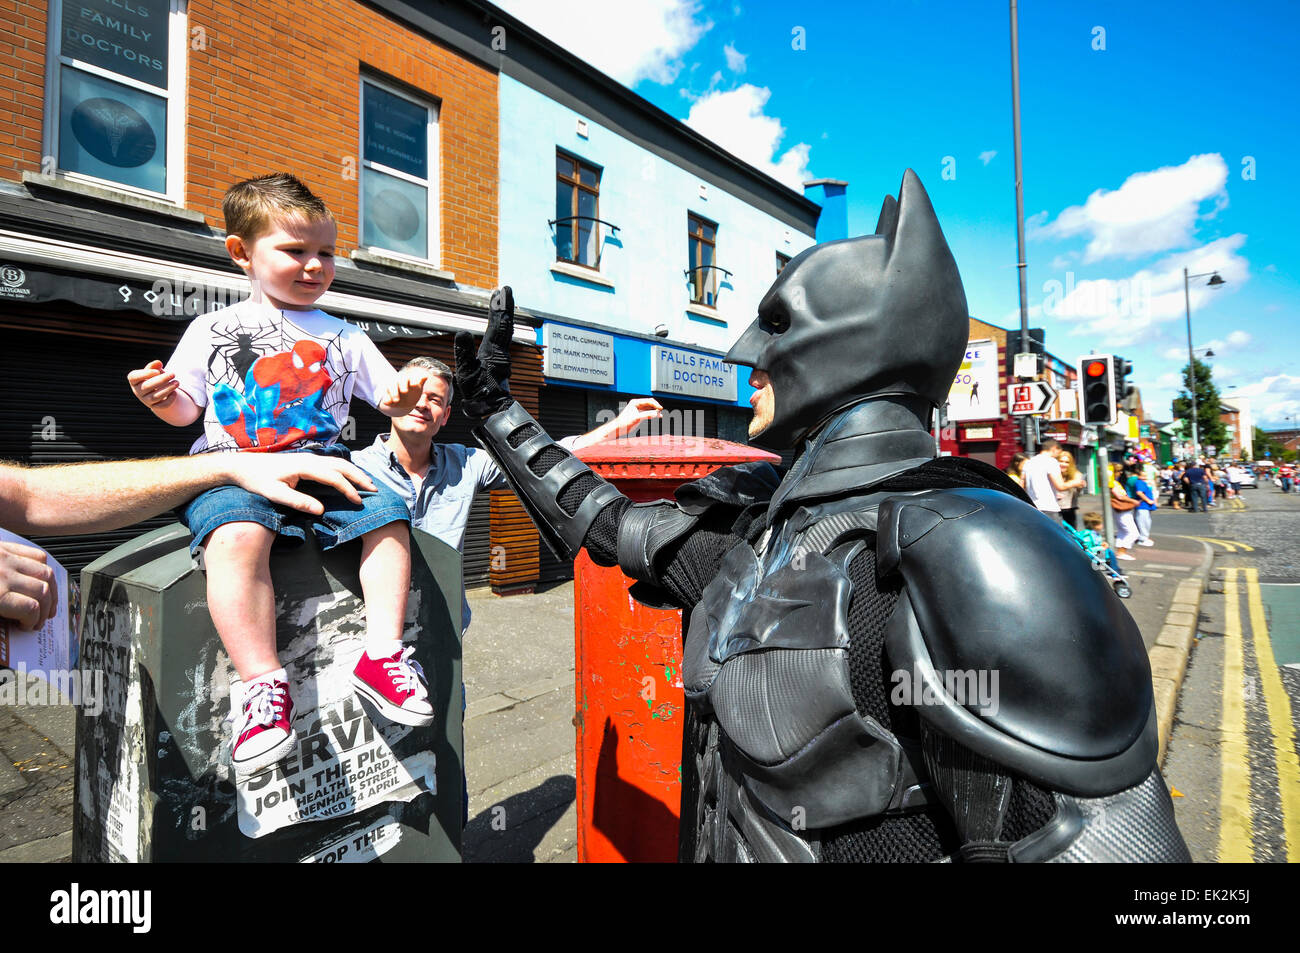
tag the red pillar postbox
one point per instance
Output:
(629, 701)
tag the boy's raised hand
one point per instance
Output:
(159, 390)
(405, 392)
(483, 378)
(154, 387)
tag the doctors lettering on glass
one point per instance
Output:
(398, 169)
(112, 77)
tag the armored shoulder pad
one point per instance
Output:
(1019, 650)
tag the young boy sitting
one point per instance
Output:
(1092, 522)
(274, 374)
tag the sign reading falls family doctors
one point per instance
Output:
(128, 37)
(690, 373)
(109, 129)
(575, 354)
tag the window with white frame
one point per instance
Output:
(399, 211)
(115, 93)
(702, 269)
(577, 211)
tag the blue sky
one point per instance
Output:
(1155, 137)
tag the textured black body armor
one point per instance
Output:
(826, 723)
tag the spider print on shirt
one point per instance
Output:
(236, 350)
(271, 399)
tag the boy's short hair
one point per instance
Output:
(437, 369)
(1092, 518)
(252, 207)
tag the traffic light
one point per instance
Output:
(1097, 388)
(1123, 389)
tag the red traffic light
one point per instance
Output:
(1095, 368)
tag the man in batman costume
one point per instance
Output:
(838, 615)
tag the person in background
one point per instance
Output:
(438, 481)
(1236, 477)
(1193, 480)
(1015, 469)
(1141, 491)
(1068, 498)
(1122, 504)
(1092, 523)
(1042, 476)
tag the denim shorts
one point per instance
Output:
(341, 522)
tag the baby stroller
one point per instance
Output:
(1118, 581)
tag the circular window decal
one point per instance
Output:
(395, 215)
(113, 133)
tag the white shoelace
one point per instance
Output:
(263, 704)
(407, 675)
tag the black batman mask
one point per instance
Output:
(857, 318)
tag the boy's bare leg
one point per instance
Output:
(385, 582)
(241, 599)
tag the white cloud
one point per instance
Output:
(735, 59)
(1270, 268)
(735, 120)
(1150, 212)
(1220, 346)
(987, 157)
(1119, 312)
(630, 42)
(1272, 399)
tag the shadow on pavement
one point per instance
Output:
(509, 832)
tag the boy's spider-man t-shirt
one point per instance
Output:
(276, 380)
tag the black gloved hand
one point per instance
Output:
(483, 378)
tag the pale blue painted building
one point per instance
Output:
(600, 195)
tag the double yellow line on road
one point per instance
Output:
(1229, 545)
(1236, 830)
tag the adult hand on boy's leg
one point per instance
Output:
(275, 476)
(28, 594)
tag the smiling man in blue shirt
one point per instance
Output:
(439, 481)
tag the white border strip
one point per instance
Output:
(53, 253)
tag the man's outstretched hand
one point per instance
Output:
(483, 378)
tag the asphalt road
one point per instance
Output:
(1233, 760)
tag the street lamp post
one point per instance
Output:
(1214, 282)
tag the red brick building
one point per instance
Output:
(128, 119)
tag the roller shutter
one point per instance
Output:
(64, 399)
(563, 413)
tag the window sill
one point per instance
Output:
(372, 256)
(705, 315)
(100, 193)
(582, 274)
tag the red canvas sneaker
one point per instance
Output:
(264, 732)
(396, 686)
